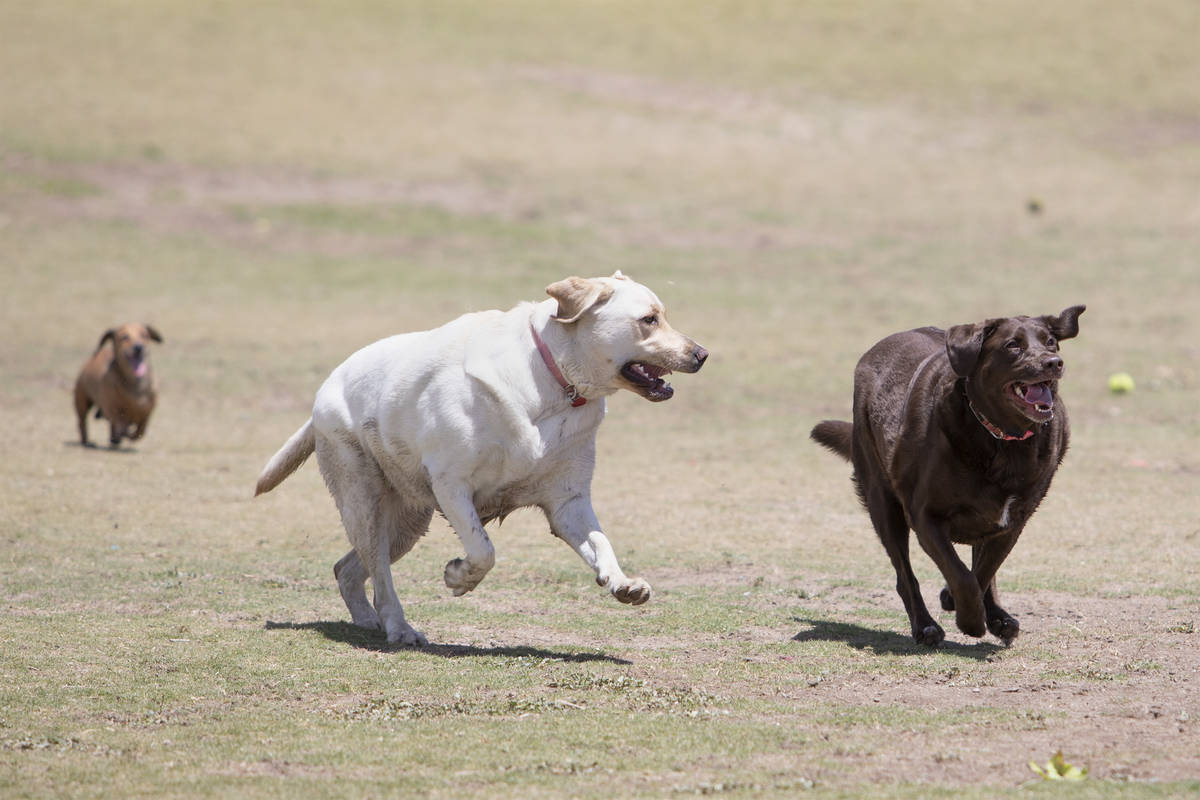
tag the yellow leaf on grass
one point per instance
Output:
(1057, 769)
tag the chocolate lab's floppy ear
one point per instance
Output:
(153, 334)
(964, 343)
(577, 295)
(107, 337)
(1066, 324)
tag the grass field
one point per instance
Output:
(274, 185)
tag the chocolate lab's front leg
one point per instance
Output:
(986, 559)
(575, 523)
(965, 591)
(887, 515)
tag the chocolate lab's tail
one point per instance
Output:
(835, 435)
(288, 459)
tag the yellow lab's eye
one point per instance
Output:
(650, 320)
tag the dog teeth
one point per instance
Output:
(648, 373)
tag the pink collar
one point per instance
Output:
(994, 429)
(572, 393)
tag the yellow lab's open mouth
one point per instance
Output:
(646, 380)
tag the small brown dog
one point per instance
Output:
(118, 381)
(957, 435)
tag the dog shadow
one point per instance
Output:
(375, 641)
(883, 642)
(93, 447)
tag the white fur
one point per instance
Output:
(1003, 521)
(467, 419)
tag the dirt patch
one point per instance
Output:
(274, 768)
(234, 205)
(248, 208)
(1112, 682)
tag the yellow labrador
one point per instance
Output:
(494, 411)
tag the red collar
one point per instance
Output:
(994, 429)
(572, 393)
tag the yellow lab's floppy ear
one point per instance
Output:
(577, 295)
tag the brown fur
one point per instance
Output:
(924, 460)
(110, 381)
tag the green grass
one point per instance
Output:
(275, 186)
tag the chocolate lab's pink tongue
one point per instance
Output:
(1038, 394)
(140, 370)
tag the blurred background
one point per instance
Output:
(275, 185)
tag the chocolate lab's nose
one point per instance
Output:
(701, 355)
(1054, 364)
(138, 349)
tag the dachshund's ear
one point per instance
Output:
(577, 295)
(107, 337)
(153, 334)
(1066, 324)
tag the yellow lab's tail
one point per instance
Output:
(289, 458)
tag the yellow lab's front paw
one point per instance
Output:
(634, 591)
(462, 576)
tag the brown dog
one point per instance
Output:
(118, 380)
(957, 434)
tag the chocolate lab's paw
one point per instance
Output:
(930, 635)
(970, 611)
(947, 599)
(970, 624)
(1003, 627)
(1000, 624)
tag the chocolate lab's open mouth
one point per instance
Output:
(647, 380)
(1035, 400)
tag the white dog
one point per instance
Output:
(491, 412)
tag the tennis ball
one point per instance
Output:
(1120, 383)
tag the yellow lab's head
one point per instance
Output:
(620, 331)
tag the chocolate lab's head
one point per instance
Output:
(1012, 364)
(131, 348)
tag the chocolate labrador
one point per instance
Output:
(957, 435)
(118, 380)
